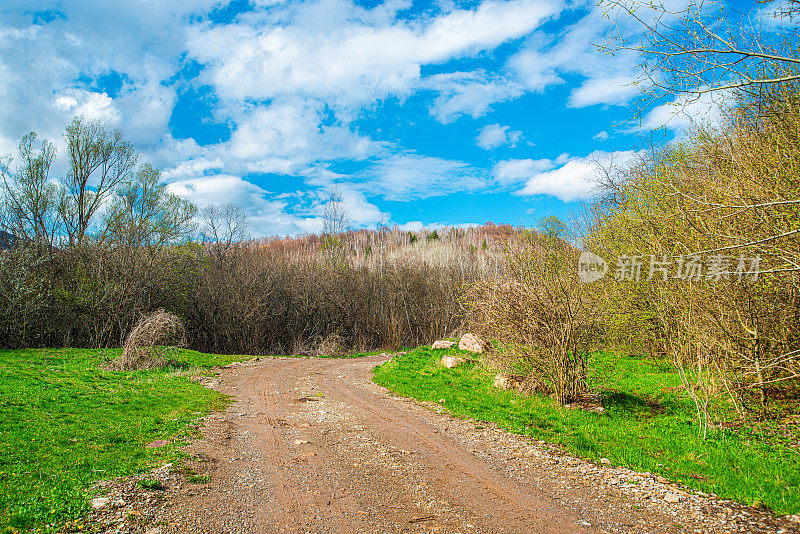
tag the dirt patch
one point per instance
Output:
(357, 459)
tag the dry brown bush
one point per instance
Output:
(330, 345)
(152, 342)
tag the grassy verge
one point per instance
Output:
(66, 422)
(649, 424)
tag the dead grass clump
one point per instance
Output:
(330, 345)
(152, 343)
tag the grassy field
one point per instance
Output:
(649, 424)
(66, 422)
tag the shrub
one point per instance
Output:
(726, 192)
(541, 314)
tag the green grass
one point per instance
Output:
(151, 484)
(66, 422)
(198, 479)
(649, 424)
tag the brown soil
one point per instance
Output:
(313, 445)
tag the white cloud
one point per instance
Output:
(685, 112)
(468, 93)
(219, 189)
(517, 170)
(90, 105)
(336, 51)
(265, 216)
(616, 90)
(286, 135)
(578, 178)
(409, 176)
(86, 40)
(547, 57)
(495, 135)
(192, 168)
(601, 136)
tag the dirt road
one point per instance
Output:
(312, 445)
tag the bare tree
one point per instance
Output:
(335, 217)
(383, 225)
(145, 214)
(696, 49)
(223, 226)
(335, 221)
(99, 161)
(30, 200)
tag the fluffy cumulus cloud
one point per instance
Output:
(495, 135)
(50, 52)
(513, 171)
(576, 178)
(347, 55)
(468, 93)
(286, 136)
(547, 58)
(209, 189)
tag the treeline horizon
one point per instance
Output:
(97, 249)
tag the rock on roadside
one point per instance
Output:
(452, 361)
(100, 502)
(442, 344)
(472, 343)
(506, 382)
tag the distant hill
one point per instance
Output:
(368, 248)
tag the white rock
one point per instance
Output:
(472, 343)
(300, 442)
(442, 344)
(502, 382)
(672, 498)
(99, 502)
(452, 361)
(605, 461)
(506, 382)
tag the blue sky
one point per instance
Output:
(422, 113)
